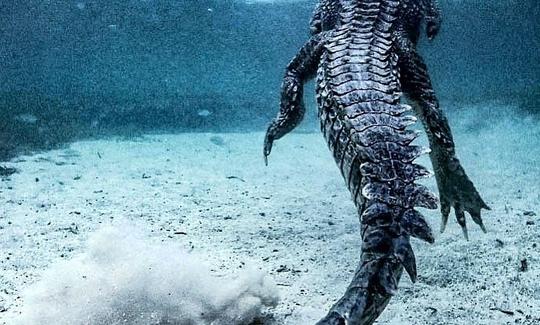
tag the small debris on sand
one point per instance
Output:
(507, 312)
(217, 140)
(432, 310)
(524, 265)
(236, 177)
(283, 268)
(7, 171)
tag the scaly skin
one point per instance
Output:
(363, 53)
(455, 188)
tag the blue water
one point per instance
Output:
(175, 94)
(100, 67)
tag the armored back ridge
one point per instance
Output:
(365, 127)
(360, 52)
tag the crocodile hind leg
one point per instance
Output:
(302, 68)
(455, 188)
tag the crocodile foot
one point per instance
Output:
(458, 191)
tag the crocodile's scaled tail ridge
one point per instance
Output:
(366, 128)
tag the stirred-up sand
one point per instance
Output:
(209, 201)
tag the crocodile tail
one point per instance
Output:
(366, 127)
(382, 181)
(389, 219)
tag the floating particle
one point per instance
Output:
(26, 118)
(204, 113)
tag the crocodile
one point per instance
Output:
(369, 76)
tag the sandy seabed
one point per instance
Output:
(211, 195)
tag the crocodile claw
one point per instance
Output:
(268, 142)
(460, 217)
(432, 29)
(445, 211)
